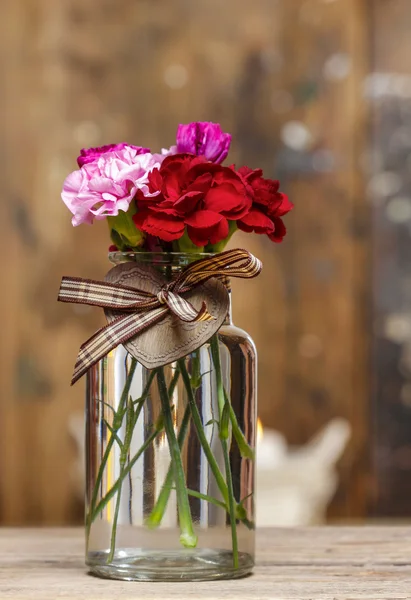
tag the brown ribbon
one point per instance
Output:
(141, 310)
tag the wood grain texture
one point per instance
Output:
(390, 108)
(317, 289)
(86, 73)
(292, 564)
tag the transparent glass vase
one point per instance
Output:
(149, 517)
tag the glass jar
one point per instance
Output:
(186, 519)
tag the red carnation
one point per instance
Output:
(192, 193)
(268, 206)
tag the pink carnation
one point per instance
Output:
(88, 155)
(104, 186)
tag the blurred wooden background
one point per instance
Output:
(300, 84)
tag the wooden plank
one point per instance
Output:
(40, 338)
(86, 73)
(313, 297)
(321, 563)
(389, 95)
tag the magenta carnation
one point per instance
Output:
(88, 155)
(102, 187)
(203, 139)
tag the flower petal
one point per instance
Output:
(281, 206)
(205, 226)
(167, 228)
(72, 186)
(188, 202)
(88, 155)
(228, 201)
(203, 218)
(279, 231)
(204, 138)
(256, 221)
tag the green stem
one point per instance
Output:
(215, 353)
(196, 370)
(224, 404)
(200, 432)
(173, 382)
(188, 537)
(157, 514)
(245, 449)
(114, 528)
(131, 420)
(231, 503)
(117, 420)
(209, 499)
(113, 433)
(206, 447)
(104, 501)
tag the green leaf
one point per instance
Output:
(113, 433)
(122, 227)
(241, 513)
(245, 449)
(224, 422)
(130, 410)
(137, 402)
(195, 370)
(159, 424)
(212, 422)
(118, 418)
(117, 240)
(107, 405)
(207, 498)
(246, 498)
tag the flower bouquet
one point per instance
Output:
(171, 382)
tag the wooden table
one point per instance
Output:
(336, 563)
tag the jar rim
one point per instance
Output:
(159, 258)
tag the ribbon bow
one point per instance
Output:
(141, 310)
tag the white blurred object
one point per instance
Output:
(295, 486)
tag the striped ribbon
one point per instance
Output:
(141, 310)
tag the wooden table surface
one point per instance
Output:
(336, 563)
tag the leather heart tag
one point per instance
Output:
(171, 338)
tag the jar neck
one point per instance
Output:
(229, 317)
(169, 264)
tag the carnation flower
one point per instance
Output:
(268, 206)
(88, 155)
(107, 184)
(189, 192)
(183, 193)
(204, 139)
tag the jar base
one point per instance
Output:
(163, 565)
